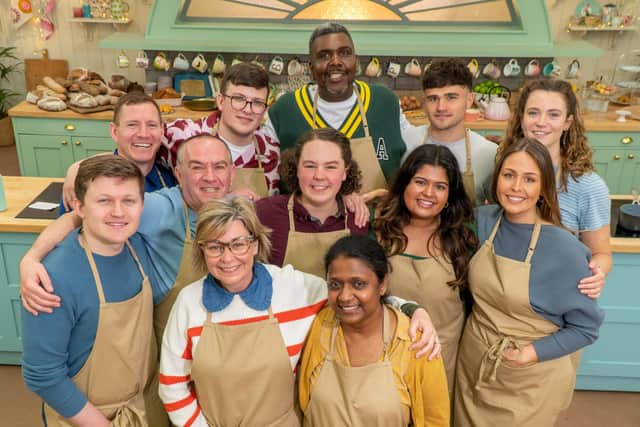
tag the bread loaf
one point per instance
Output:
(51, 103)
(84, 100)
(50, 92)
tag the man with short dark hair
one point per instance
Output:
(242, 102)
(367, 114)
(89, 359)
(447, 90)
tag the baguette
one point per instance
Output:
(50, 92)
(53, 85)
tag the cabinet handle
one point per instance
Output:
(630, 156)
(77, 142)
(616, 157)
(72, 127)
(64, 142)
(626, 140)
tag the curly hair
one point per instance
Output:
(447, 72)
(577, 156)
(457, 241)
(290, 158)
(548, 203)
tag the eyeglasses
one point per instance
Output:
(239, 102)
(215, 248)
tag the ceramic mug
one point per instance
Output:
(393, 69)
(199, 63)
(236, 61)
(617, 21)
(492, 70)
(426, 67)
(160, 62)
(142, 60)
(218, 66)
(532, 69)
(473, 67)
(373, 68)
(276, 66)
(511, 68)
(358, 68)
(180, 62)
(412, 68)
(256, 61)
(573, 70)
(122, 60)
(294, 67)
(551, 69)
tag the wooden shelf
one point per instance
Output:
(583, 28)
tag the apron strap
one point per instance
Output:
(137, 260)
(534, 239)
(162, 182)
(495, 356)
(495, 228)
(387, 332)
(92, 264)
(187, 224)
(271, 315)
(365, 124)
(292, 226)
(467, 148)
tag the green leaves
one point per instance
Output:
(9, 63)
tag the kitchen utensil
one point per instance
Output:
(142, 60)
(532, 69)
(473, 67)
(193, 85)
(122, 60)
(200, 104)
(492, 70)
(393, 69)
(199, 63)
(180, 62)
(573, 70)
(629, 214)
(218, 66)
(496, 107)
(551, 69)
(373, 68)
(511, 68)
(294, 67)
(412, 68)
(622, 115)
(276, 66)
(160, 62)
(36, 69)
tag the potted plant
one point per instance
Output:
(9, 63)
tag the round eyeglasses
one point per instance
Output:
(239, 102)
(215, 248)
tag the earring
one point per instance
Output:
(446, 205)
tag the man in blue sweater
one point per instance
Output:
(89, 360)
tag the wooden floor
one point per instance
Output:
(21, 408)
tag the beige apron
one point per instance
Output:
(186, 275)
(362, 396)
(243, 376)
(467, 176)
(117, 369)
(488, 391)
(425, 281)
(363, 151)
(251, 178)
(306, 251)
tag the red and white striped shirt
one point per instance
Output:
(297, 298)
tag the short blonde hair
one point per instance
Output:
(214, 218)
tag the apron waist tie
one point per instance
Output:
(126, 414)
(495, 355)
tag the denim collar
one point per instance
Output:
(257, 295)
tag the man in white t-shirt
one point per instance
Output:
(447, 89)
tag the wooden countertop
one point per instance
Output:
(595, 122)
(19, 191)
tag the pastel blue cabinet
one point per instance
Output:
(613, 361)
(12, 248)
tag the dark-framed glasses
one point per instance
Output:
(215, 248)
(239, 102)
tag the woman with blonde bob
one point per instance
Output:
(514, 366)
(240, 309)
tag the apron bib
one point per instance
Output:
(242, 375)
(467, 176)
(488, 391)
(118, 367)
(186, 274)
(251, 178)
(362, 396)
(425, 281)
(306, 251)
(363, 151)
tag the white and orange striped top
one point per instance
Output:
(297, 298)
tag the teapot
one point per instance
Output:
(496, 107)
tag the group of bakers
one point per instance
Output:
(228, 271)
